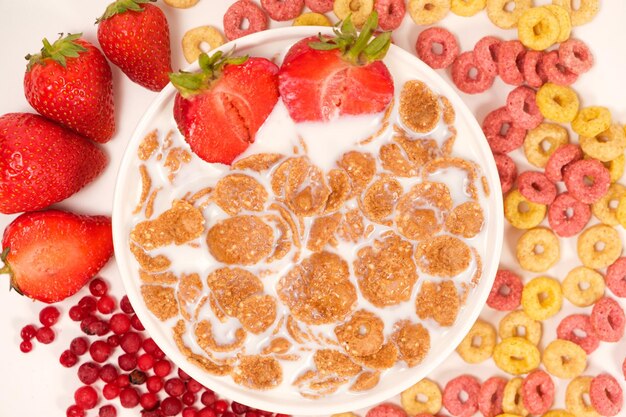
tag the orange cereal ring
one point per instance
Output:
(583, 286)
(358, 10)
(471, 351)
(538, 28)
(427, 12)
(585, 12)
(521, 213)
(558, 413)
(557, 103)
(599, 246)
(413, 404)
(512, 398)
(592, 121)
(515, 321)
(194, 38)
(467, 8)
(542, 141)
(503, 18)
(564, 359)
(607, 145)
(537, 249)
(516, 355)
(542, 298)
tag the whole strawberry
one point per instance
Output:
(70, 82)
(322, 78)
(42, 163)
(135, 36)
(51, 254)
(220, 109)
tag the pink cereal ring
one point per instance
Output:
(522, 107)
(510, 62)
(616, 277)
(531, 68)
(537, 392)
(555, 71)
(506, 292)
(607, 318)
(606, 395)
(452, 396)
(578, 329)
(465, 79)
(562, 157)
(507, 171)
(281, 10)
(437, 36)
(486, 53)
(386, 410)
(501, 131)
(578, 174)
(567, 216)
(490, 396)
(390, 13)
(536, 187)
(319, 6)
(238, 13)
(575, 56)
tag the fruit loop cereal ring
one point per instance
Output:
(575, 56)
(537, 392)
(495, 123)
(462, 67)
(572, 326)
(437, 36)
(486, 53)
(193, 39)
(472, 351)
(564, 359)
(238, 13)
(452, 395)
(583, 286)
(606, 395)
(607, 318)
(521, 213)
(560, 159)
(181, 4)
(386, 410)
(311, 19)
(512, 324)
(599, 246)
(411, 398)
(603, 208)
(615, 167)
(616, 277)
(531, 69)
(537, 250)
(620, 212)
(506, 292)
(390, 13)
(554, 71)
(358, 10)
(281, 10)
(319, 6)
(587, 180)
(591, 121)
(557, 103)
(467, 8)
(606, 146)
(536, 187)
(516, 355)
(507, 171)
(521, 105)
(510, 62)
(542, 298)
(576, 397)
(541, 142)
(538, 28)
(558, 413)
(503, 18)
(512, 401)
(427, 12)
(567, 216)
(490, 396)
(565, 22)
(585, 12)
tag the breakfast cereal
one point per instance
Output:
(506, 292)
(282, 10)
(537, 392)
(478, 344)
(606, 395)
(519, 324)
(564, 359)
(608, 320)
(516, 355)
(427, 12)
(240, 11)
(390, 13)
(583, 286)
(358, 10)
(193, 39)
(572, 326)
(430, 37)
(462, 68)
(557, 74)
(439, 301)
(567, 216)
(575, 394)
(490, 396)
(512, 398)
(452, 395)
(501, 17)
(411, 398)
(412, 340)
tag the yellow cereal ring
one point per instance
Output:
(537, 249)
(557, 103)
(507, 415)
(542, 298)
(591, 121)
(605, 209)
(467, 8)
(181, 4)
(521, 213)
(616, 168)
(427, 12)
(564, 359)
(620, 213)
(538, 28)
(606, 146)
(584, 14)
(358, 10)
(542, 141)
(565, 22)
(516, 356)
(558, 413)
(193, 39)
(503, 18)
(471, 352)
(575, 394)
(511, 324)
(512, 401)
(312, 19)
(583, 286)
(599, 246)
(411, 402)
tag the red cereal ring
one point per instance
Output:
(501, 131)
(531, 68)
(390, 13)
(452, 396)
(567, 216)
(522, 107)
(537, 392)
(468, 76)
(506, 292)
(282, 10)
(606, 395)
(490, 396)
(624, 368)
(437, 37)
(616, 277)
(607, 318)
(555, 71)
(575, 56)
(572, 326)
(510, 62)
(238, 13)
(386, 410)
(320, 6)
(577, 176)
(536, 187)
(562, 157)
(507, 171)
(486, 54)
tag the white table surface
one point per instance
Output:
(36, 384)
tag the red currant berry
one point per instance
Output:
(145, 362)
(79, 346)
(86, 397)
(106, 304)
(190, 412)
(68, 359)
(26, 346)
(97, 287)
(149, 401)
(136, 323)
(188, 398)
(119, 323)
(207, 412)
(89, 304)
(229, 414)
(100, 351)
(220, 406)
(252, 414)
(122, 380)
(108, 373)
(129, 397)
(113, 340)
(86, 324)
(49, 316)
(183, 375)
(149, 345)
(99, 328)
(75, 411)
(45, 335)
(194, 386)
(238, 408)
(110, 391)
(88, 372)
(107, 411)
(154, 384)
(127, 361)
(174, 387)
(131, 342)
(207, 398)
(77, 313)
(162, 368)
(126, 306)
(28, 332)
(171, 406)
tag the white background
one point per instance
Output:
(36, 384)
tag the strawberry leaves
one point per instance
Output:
(59, 51)
(121, 6)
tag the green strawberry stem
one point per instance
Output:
(358, 49)
(121, 6)
(59, 51)
(6, 269)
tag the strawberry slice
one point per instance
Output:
(322, 77)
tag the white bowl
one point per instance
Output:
(470, 139)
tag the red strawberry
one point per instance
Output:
(220, 109)
(42, 163)
(135, 36)
(70, 82)
(322, 78)
(51, 254)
